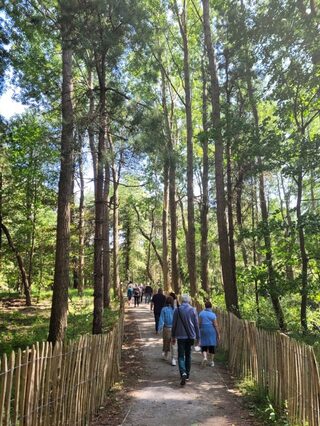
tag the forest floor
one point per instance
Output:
(150, 393)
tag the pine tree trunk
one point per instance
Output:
(106, 239)
(239, 188)
(165, 268)
(205, 188)
(116, 277)
(191, 245)
(81, 233)
(59, 309)
(99, 202)
(230, 289)
(172, 186)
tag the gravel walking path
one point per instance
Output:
(152, 394)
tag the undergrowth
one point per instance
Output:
(22, 326)
(257, 400)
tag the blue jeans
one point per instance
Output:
(184, 356)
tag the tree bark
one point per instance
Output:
(229, 174)
(165, 267)
(204, 252)
(81, 233)
(106, 238)
(172, 184)
(59, 309)
(191, 244)
(230, 289)
(99, 201)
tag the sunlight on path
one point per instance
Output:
(158, 398)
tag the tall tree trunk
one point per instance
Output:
(172, 184)
(99, 201)
(205, 187)
(288, 230)
(116, 277)
(59, 309)
(106, 238)
(127, 263)
(173, 221)
(165, 226)
(230, 288)
(263, 202)
(191, 244)
(254, 242)
(91, 120)
(115, 204)
(229, 173)
(81, 233)
(239, 187)
(304, 256)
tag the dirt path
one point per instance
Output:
(152, 395)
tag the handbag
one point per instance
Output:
(185, 328)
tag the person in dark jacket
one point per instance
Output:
(148, 293)
(158, 301)
(185, 328)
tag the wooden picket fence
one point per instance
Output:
(64, 385)
(284, 368)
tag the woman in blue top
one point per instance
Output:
(165, 323)
(209, 333)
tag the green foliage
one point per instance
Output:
(260, 404)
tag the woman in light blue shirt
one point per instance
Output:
(165, 324)
(209, 333)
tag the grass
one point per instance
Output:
(22, 326)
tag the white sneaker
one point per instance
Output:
(212, 364)
(173, 362)
(164, 355)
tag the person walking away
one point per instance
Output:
(175, 300)
(136, 295)
(185, 328)
(158, 301)
(142, 287)
(209, 333)
(129, 294)
(148, 293)
(165, 324)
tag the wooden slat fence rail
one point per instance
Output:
(286, 369)
(64, 385)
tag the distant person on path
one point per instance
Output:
(129, 293)
(209, 333)
(142, 288)
(165, 324)
(148, 293)
(136, 295)
(185, 328)
(158, 301)
(174, 297)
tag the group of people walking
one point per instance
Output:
(136, 292)
(182, 324)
